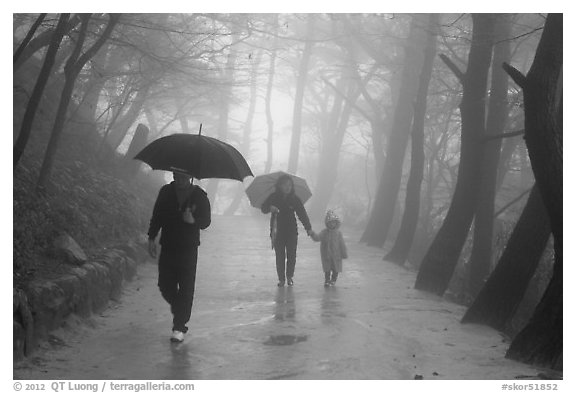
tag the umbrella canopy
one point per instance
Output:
(198, 155)
(264, 185)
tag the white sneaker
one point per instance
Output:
(177, 336)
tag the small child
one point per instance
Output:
(332, 248)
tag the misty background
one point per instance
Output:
(391, 118)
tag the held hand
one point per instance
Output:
(310, 232)
(152, 248)
(274, 209)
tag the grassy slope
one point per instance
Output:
(90, 197)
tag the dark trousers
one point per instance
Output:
(285, 247)
(176, 280)
(332, 278)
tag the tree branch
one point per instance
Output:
(360, 110)
(513, 201)
(453, 67)
(28, 38)
(98, 44)
(504, 135)
(71, 65)
(41, 40)
(515, 74)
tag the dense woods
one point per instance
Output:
(436, 137)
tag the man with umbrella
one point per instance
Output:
(181, 210)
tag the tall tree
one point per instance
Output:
(28, 37)
(435, 167)
(42, 40)
(332, 138)
(139, 141)
(380, 220)
(440, 260)
(299, 98)
(85, 111)
(224, 108)
(481, 256)
(386, 60)
(36, 96)
(401, 248)
(73, 67)
(509, 146)
(247, 129)
(268, 100)
(125, 120)
(540, 342)
(150, 67)
(501, 295)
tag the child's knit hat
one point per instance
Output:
(331, 216)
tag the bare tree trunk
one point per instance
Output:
(224, 112)
(499, 298)
(138, 142)
(400, 250)
(28, 38)
(508, 148)
(183, 119)
(526, 173)
(36, 96)
(85, 111)
(73, 67)
(125, 121)
(481, 256)
(41, 40)
(380, 220)
(332, 144)
(440, 260)
(326, 173)
(182, 111)
(116, 110)
(152, 123)
(299, 99)
(377, 128)
(429, 198)
(269, 120)
(541, 341)
(245, 147)
(377, 124)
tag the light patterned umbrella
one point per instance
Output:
(264, 185)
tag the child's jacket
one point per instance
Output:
(332, 249)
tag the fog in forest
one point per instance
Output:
(240, 76)
(403, 124)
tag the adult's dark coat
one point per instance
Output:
(167, 216)
(289, 206)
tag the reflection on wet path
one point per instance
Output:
(180, 365)
(285, 304)
(331, 305)
(369, 326)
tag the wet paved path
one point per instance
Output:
(371, 325)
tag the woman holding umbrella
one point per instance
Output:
(283, 203)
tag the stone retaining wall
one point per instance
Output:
(46, 304)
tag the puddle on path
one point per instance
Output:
(285, 339)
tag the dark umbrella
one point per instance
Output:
(198, 155)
